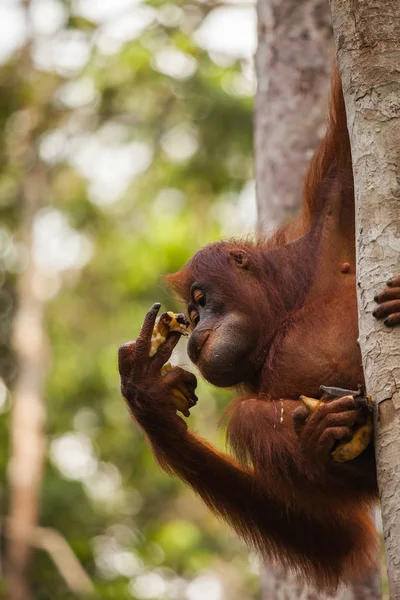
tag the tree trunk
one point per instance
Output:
(367, 36)
(26, 463)
(27, 436)
(293, 62)
(294, 59)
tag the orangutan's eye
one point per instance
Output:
(199, 297)
(194, 317)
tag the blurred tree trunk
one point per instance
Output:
(293, 63)
(27, 435)
(368, 43)
(294, 59)
(28, 413)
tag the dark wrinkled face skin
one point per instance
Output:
(223, 340)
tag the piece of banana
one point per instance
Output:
(311, 404)
(167, 322)
(362, 437)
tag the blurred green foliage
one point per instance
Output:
(137, 532)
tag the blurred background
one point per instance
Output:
(125, 145)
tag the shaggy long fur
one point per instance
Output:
(310, 519)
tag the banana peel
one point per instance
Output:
(360, 441)
(363, 434)
(180, 394)
(165, 324)
(311, 404)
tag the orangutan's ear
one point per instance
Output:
(240, 258)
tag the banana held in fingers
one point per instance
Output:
(359, 442)
(311, 404)
(166, 368)
(181, 396)
(180, 401)
(165, 324)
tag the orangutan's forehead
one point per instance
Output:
(210, 267)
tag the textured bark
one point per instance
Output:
(367, 36)
(293, 62)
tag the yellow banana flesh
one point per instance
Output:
(180, 401)
(179, 394)
(166, 323)
(359, 442)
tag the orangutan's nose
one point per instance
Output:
(196, 342)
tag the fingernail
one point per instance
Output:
(376, 298)
(156, 306)
(390, 282)
(386, 322)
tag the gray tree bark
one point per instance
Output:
(367, 37)
(294, 60)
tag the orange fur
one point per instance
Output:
(310, 518)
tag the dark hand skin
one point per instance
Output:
(141, 379)
(389, 303)
(332, 422)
